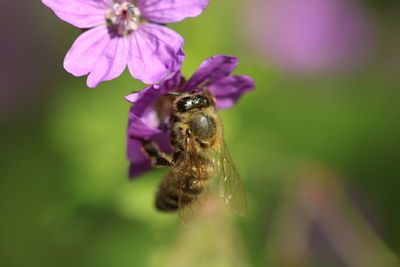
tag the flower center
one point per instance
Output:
(124, 17)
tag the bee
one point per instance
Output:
(200, 159)
(131, 9)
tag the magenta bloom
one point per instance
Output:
(145, 122)
(125, 33)
(310, 36)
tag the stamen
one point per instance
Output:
(124, 17)
(117, 9)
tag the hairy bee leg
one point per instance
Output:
(158, 158)
(178, 138)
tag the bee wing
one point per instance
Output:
(189, 211)
(229, 186)
(225, 184)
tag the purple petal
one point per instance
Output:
(164, 142)
(229, 89)
(172, 82)
(99, 53)
(138, 168)
(212, 69)
(140, 162)
(135, 152)
(145, 98)
(137, 128)
(155, 50)
(169, 11)
(111, 63)
(80, 13)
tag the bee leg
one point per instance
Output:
(158, 158)
(178, 138)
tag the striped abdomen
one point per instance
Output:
(182, 185)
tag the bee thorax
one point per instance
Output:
(203, 126)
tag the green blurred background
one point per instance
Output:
(318, 155)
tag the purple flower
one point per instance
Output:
(309, 36)
(148, 118)
(125, 33)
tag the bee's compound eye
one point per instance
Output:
(204, 101)
(200, 101)
(184, 104)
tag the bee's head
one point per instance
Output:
(187, 102)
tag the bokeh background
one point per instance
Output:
(317, 143)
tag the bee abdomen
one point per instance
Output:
(170, 199)
(166, 203)
(179, 189)
(193, 186)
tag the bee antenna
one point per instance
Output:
(199, 89)
(174, 94)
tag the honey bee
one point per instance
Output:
(200, 159)
(131, 9)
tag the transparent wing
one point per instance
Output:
(224, 184)
(189, 205)
(229, 186)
